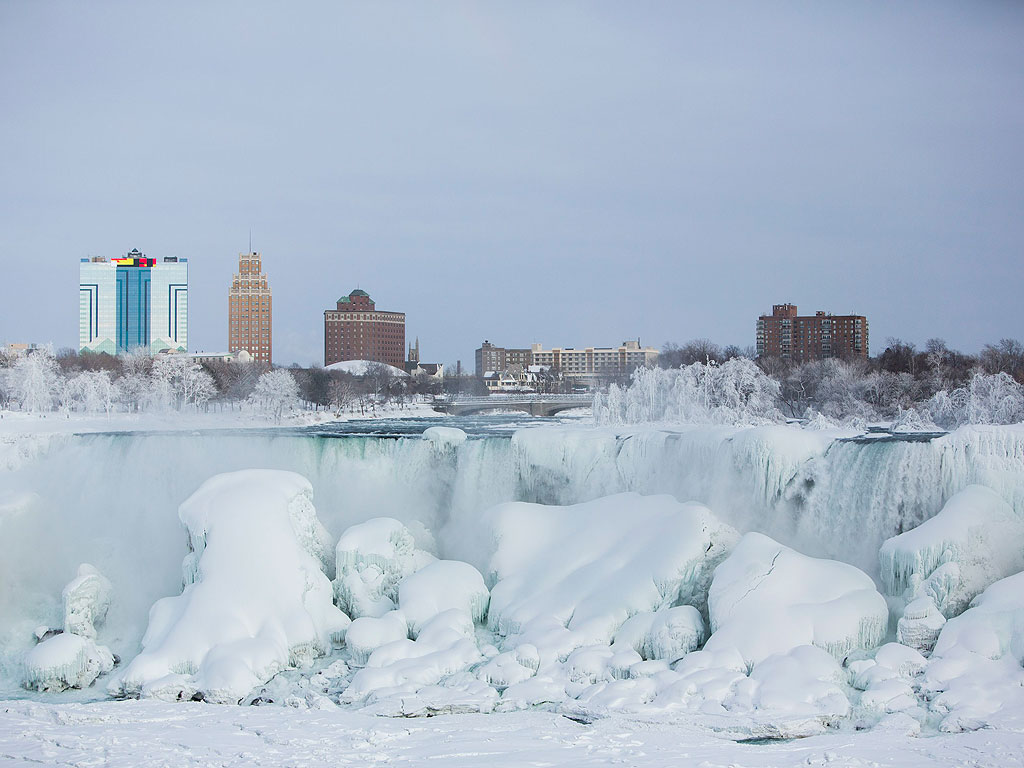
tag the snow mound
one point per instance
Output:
(372, 558)
(667, 634)
(66, 661)
(256, 599)
(975, 669)
(975, 540)
(72, 659)
(366, 634)
(86, 601)
(571, 576)
(768, 599)
(441, 586)
(364, 367)
(445, 436)
(446, 645)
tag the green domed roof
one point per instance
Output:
(359, 292)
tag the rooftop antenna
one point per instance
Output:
(250, 240)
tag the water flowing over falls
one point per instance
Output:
(112, 500)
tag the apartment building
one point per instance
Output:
(357, 330)
(787, 334)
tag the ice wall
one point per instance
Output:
(111, 500)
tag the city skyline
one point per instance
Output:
(602, 172)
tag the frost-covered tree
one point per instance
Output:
(736, 392)
(987, 399)
(178, 380)
(35, 380)
(276, 392)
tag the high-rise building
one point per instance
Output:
(357, 330)
(786, 334)
(250, 310)
(133, 302)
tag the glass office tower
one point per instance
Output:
(133, 302)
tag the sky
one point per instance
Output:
(569, 173)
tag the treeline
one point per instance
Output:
(41, 381)
(914, 389)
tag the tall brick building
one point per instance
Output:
(786, 334)
(357, 330)
(250, 310)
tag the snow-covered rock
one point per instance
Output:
(920, 624)
(975, 540)
(258, 600)
(571, 576)
(445, 437)
(86, 601)
(65, 661)
(441, 586)
(667, 634)
(371, 559)
(976, 667)
(768, 599)
(367, 633)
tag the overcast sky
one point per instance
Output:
(567, 173)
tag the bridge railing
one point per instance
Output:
(496, 399)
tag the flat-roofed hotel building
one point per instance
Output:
(357, 330)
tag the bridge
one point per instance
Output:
(536, 405)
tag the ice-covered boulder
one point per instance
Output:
(565, 577)
(441, 586)
(920, 624)
(71, 658)
(367, 633)
(258, 601)
(768, 599)
(975, 540)
(445, 646)
(976, 667)
(65, 661)
(445, 437)
(667, 634)
(86, 601)
(371, 559)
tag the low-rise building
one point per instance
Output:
(586, 366)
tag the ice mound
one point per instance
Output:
(372, 558)
(768, 599)
(446, 645)
(441, 586)
(667, 634)
(975, 540)
(72, 659)
(975, 669)
(445, 437)
(257, 601)
(86, 601)
(889, 681)
(367, 633)
(566, 577)
(66, 661)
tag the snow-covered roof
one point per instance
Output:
(362, 367)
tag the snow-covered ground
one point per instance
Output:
(144, 734)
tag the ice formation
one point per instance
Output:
(975, 540)
(571, 576)
(976, 667)
(768, 599)
(670, 633)
(441, 586)
(256, 599)
(86, 601)
(368, 633)
(372, 558)
(445, 437)
(71, 658)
